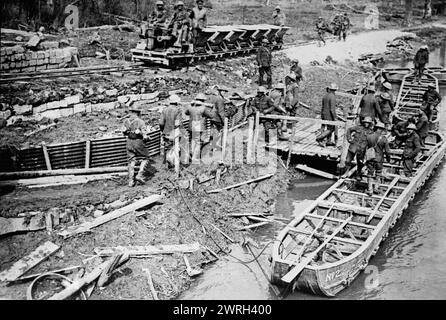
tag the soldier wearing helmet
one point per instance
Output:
(321, 27)
(135, 130)
(383, 100)
(158, 17)
(357, 137)
(431, 100)
(297, 70)
(180, 25)
(369, 107)
(169, 115)
(199, 21)
(378, 142)
(422, 124)
(411, 149)
(279, 17)
(328, 112)
(420, 61)
(387, 88)
(336, 24)
(264, 59)
(399, 131)
(344, 26)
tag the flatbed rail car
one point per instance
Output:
(325, 248)
(214, 42)
(410, 99)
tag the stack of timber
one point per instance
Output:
(325, 247)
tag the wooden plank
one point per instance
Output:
(316, 172)
(224, 234)
(176, 147)
(29, 262)
(390, 187)
(12, 225)
(255, 225)
(140, 251)
(363, 211)
(256, 134)
(47, 157)
(320, 121)
(352, 223)
(291, 275)
(337, 239)
(224, 139)
(87, 226)
(249, 157)
(242, 183)
(249, 214)
(87, 153)
(150, 282)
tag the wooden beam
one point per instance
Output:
(255, 225)
(60, 172)
(363, 211)
(47, 157)
(224, 234)
(338, 239)
(87, 153)
(176, 147)
(141, 251)
(299, 119)
(29, 262)
(316, 172)
(249, 214)
(242, 183)
(352, 223)
(394, 182)
(256, 134)
(291, 275)
(249, 157)
(150, 282)
(12, 225)
(87, 226)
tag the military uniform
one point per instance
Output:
(180, 25)
(279, 18)
(264, 58)
(422, 127)
(197, 128)
(167, 125)
(386, 109)
(292, 98)
(265, 105)
(344, 27)
(411, 150)
(199, 21)
(379, 142)
(368, 107)
(158, 17)
(420, 60)
(297, 70)
(328, 112)
(357, 147)
(431, 99)
(217, 113)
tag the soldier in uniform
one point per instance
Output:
(422, 124)
(378, 141)
(328, 112)
(431, 99)
(158, 17)
(167, 120)
(336, 24)
(420, 60)
(411, 150)
(358, 145)
(344, 26)
(180, 24)
(387, 88)
(279, 17)
(136, 132)
(297, 70)
(386, 109)
(368, 107)
(321, 27)
(199, 21)
(264, 58)
(400, 132)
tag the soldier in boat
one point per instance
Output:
(422, 124)
(411, 149)
(431, 99)
(400, 132)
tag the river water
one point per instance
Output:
(410, 264)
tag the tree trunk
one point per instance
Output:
(409, 12)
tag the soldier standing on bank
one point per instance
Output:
(167, 120)
(264, 58)
(135, 130)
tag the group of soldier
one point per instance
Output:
(339, 27)
(185, 24)
(367, 141)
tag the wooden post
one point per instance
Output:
(256, 134)
(224, 139)
(290, 145)
(176, 146)
(87, 153)
(47, 157)
(249, 157)
(345, 145)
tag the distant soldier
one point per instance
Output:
(136, 132)
(411, 150)
(328, 112)
(297, 70)
(357, 137)
(422, 124)
(265, 105)
(431, 99)
(420, 61)
(291, 94)
(336, 24)
(279, 17)
(180, 24)
(386, 108)
(378, 141)
(264, 58)
(159, 16)
(167, 120)
(199, 19)
(321, 27)
(368, 107)
(344, 26)
(215, 108)
(400, 132)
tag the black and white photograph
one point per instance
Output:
(250, 153)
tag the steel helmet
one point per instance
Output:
(277, 7)
(265, 41)
(174, 99)
(262, 89)
(201, 97)
(333, 87)
(424, 47)
(367, 120)
(296, 61)
(380, 125)
(179, 3)
(385, 96)
(320, 17)
(411, 126)
(387, 85)
(371, 88)
(159, 3)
